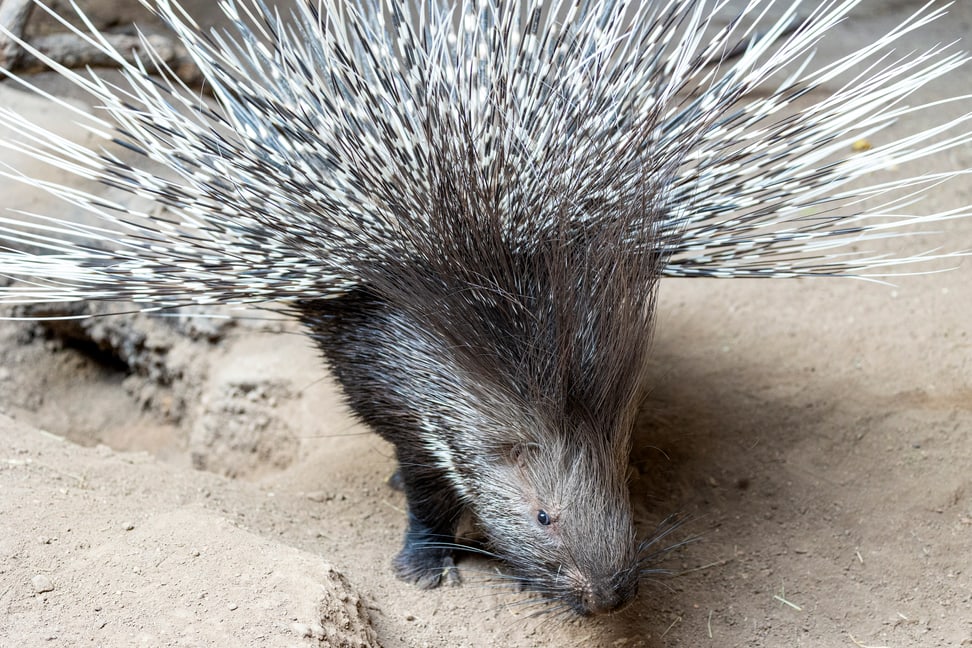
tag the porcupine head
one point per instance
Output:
(501, 350)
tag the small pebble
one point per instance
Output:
(129, 526)
(42, 584)
(233, 606)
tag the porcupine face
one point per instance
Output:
(560, 516)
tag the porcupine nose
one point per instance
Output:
(609, 596)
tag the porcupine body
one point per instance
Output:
(470, 208)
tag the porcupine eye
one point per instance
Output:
(543, 518)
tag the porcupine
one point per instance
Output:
(470, 209)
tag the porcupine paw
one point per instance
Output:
(425, 568)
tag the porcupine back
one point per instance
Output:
(471, 210)
(336, 134)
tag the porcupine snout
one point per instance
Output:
(588, 593)
(609, 594)
(604, 591)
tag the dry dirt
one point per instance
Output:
(197, 482)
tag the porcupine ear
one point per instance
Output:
(517, 454)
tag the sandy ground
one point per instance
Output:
(198, 482)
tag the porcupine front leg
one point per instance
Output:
(426, 557)
(367, 347)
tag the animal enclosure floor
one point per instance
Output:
(814, 436)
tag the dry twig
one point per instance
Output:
(72, 51)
